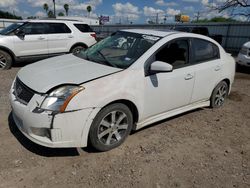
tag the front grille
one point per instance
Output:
(22, 92)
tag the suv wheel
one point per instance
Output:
(219, 95)
(5, 60)
(77, 49)
(111, 127)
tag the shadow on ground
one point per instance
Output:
(37, 149)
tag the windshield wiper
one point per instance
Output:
(105, 59)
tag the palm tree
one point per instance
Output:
(54, 7)
(46, 7)
(89, 9)
(66, 7)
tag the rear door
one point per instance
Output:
(59, 38)
(207, 66)
(35, 41)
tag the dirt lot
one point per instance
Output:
(203, 148)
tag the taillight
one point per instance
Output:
(93, 35)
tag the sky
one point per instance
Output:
(135, 11)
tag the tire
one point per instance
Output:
(219, 94)
(77, 49)
(111, 127)
(5, 60)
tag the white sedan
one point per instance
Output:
(103, 93)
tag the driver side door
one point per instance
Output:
(35, 41)
(170, 90)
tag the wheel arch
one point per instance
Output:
(133, 108)
(9, 52)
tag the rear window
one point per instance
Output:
(56, 28)
(83, 28)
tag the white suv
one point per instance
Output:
(39, 39)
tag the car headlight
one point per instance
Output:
(59, 98)
(243, 50)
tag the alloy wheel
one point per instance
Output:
(112, 127)
(3, 61)
(221, 95)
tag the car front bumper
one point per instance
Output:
(243, 60)
(69, 129)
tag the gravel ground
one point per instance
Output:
(202, 148)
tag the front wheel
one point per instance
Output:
(5, 60)
(111, 127)
(219, 95)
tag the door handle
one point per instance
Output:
(189, 77)
(41, 38)
(217, 68)
(71, 36)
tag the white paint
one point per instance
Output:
(156, 97)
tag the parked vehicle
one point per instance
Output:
(199, 30)
(39, 39)
(101, 94)
(243, 58)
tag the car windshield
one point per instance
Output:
(11, 28)
(120, 49)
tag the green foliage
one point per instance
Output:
(89, 9)
(60, 14)
(51, 14)
(216, 19)
(46, 7)
(8, 15)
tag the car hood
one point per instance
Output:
(247, 44)
(67, 69)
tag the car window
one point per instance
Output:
(175, 53)
(34, 29)
(204, 50)
(121, 49)
(57, 28)
(83, 28)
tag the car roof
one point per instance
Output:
(159, 33)
(56, 21)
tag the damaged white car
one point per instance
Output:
(103, 93)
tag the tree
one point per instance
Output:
(9, 15)
(66, 7)
(46, 7)
(237, 7)
(54, 3)
(89, 9)
(50, 14)
(60, 14)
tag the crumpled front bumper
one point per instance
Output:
(51, 130)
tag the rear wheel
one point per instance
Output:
(111, 127)
(5, 60)
(219, 95)
(77, 49)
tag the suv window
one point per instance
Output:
(83, 28)
(57, 28)
(34, 28)
(204, 50)
(175, 53)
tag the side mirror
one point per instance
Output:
(19, 33)
(160, 66)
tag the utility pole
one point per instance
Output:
(157, 18)
(54, 8)
(198, 16)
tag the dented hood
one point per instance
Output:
(67, 69)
